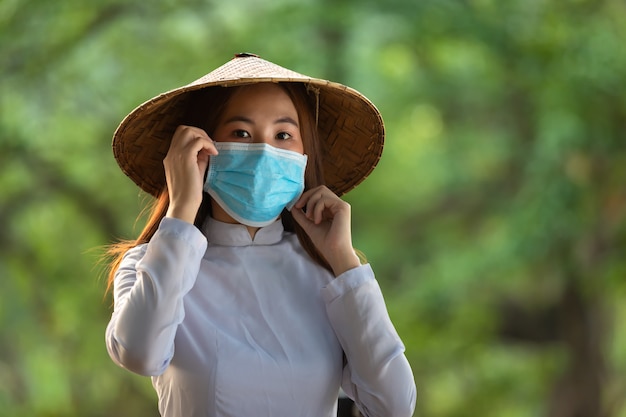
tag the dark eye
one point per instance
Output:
(283, 136)
(241, 134)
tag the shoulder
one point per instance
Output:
(133, 255)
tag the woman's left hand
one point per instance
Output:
(326, 219)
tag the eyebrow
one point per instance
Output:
(244, 119)
(286, 119)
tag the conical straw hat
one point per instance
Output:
(348, 123)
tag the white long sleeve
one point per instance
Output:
(377, 375)
(148, 297)
(241, 327)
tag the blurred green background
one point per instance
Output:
(495, 220)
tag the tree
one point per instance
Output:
(495, 220)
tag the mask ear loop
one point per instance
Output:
(316, 91)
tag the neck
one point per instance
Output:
(219, 214)
(252, 231)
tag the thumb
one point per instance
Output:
(300, 217)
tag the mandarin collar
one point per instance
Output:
(227, 234)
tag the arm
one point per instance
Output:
(149, 288)
(377, 374)
(152, 279)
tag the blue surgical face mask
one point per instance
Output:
(254, 182)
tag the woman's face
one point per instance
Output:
(260, 113)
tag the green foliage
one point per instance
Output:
(495, 220)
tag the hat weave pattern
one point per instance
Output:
(348, 123)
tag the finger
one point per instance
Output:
(307, 224)
(202, 148)
(189, 131)
(196, 151)
(329, 201)
(322, 206)
(203, 161)
(193, 137)
(300, 217)
(312, 207)
(304, 198)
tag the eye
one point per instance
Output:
(240, 133)
(283, 136)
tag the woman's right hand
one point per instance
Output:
(185, 164)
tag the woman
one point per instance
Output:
(243, 295)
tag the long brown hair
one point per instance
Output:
(205, 108)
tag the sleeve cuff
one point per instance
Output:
(182, 230)
(346, 282)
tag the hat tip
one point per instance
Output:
(246, 55)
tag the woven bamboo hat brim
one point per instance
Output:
(348, 123)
